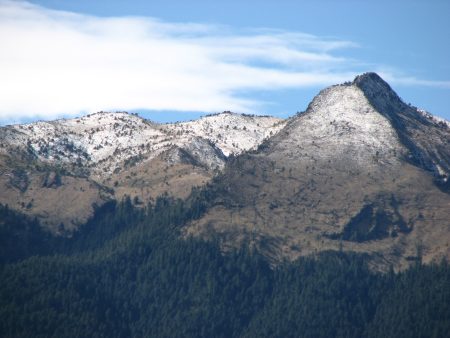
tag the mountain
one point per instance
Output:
(230, 225)
(359, 170)
(60, 171)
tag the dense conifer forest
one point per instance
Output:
(127, 273)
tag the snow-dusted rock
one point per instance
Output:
(436, 119)
(340, 123)
(231, 133)
(104, 141)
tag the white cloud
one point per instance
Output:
(56, 63)
(414, 81)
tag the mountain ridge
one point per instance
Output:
(122, 154)
(359, 170)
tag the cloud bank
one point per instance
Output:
(54, 63)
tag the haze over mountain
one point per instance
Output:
(359, 170)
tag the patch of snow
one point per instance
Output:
(435, 119)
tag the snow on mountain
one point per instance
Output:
(96, 140)
(424, 137)
(360, 170)
(231, 133)
(339, 123)
(365, 123)
(435, 119)
(104, 141)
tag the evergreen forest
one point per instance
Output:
(128, 273)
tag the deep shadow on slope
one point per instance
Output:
(428, 142)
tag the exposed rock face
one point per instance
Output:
(359, 170)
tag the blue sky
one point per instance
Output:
(174, 60)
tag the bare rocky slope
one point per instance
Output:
(59, 171)
(360, 170)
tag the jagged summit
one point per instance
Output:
(371, 79)
(379, 93)
(373, 85)
(366, 117)
(340, 125)
(370, 84)
(425, 137)
(387, 102)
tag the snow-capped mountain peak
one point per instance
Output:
(231, 133)
(104, 141)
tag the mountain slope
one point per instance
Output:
(231, 133)
(359, 170)
(426, 138)
(106, 156)
(147, 282)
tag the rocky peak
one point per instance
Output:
(383, 98)
(366, 117)
(341, 127)
(372, 83)
(425, 136)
